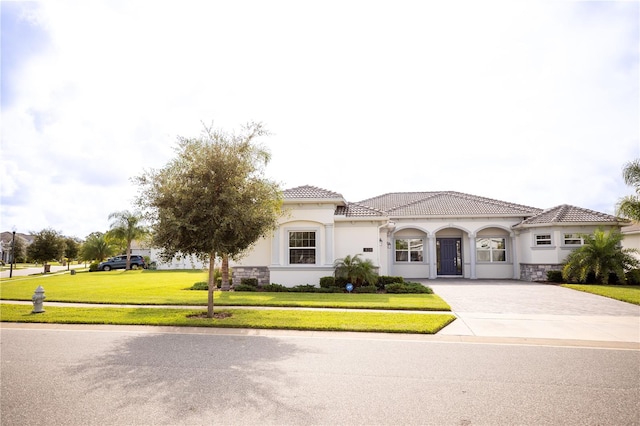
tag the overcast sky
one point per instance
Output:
(531, 102)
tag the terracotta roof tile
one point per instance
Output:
(444, 203)
(566, 214)
(308, 191)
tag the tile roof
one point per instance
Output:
(565, 214)
(307, 191)
(357, 210)
(443, 203)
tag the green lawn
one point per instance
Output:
(389, 322)
(168, 288)
(625, 293)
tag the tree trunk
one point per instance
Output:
(212, 284)
(225, 272)
(128, 265)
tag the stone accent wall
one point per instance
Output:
(537, 271)
(259, 272)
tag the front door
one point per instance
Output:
(449, 256)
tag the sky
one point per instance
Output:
(534, 102)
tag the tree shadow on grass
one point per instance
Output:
(194, 379)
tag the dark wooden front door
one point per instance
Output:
(449, 254)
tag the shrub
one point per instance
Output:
(93, 267)
(554, 276)
(200, 285)
(340, 282)
(633, 277)
(304, 288)
(153, 265)
(275, 288)
(386, 279)
(330, 290)
(327, 282)
(249, 281)
(245, 287)
(366, 289)
(407, 287)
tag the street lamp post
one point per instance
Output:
(13, 250)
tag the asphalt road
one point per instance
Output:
(80, 375)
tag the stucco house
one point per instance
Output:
(424, 235)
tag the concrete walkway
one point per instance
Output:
(497, 308)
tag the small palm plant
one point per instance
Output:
(356, 270)
(601, 255)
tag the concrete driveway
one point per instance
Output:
(505, 308)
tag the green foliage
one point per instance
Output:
(72, 248)
(303, 288)
(600, 256)
(93, 267)
(629, 206)
(327, 282)
(633, 277)
(48, 245)
(554, 276)
(96, 247)
(200, 285)
(408, 287)
(366, 289)
(355, 270)
(383, 280)
(276, 288)
(126, 227)
(249, 281)
(245, 287)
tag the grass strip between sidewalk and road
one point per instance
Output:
(387, 322)
(624, 293)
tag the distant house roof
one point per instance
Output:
(571, 214)
(631, 229)
(310, 192)
(444, 203)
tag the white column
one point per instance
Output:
(514, 257)
(472, 255)
(328, 250)
(432, 257)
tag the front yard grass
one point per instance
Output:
(624, 293)
(146, 287)
(389, 322)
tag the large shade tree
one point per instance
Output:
(127, 226)
(48, 245)
(629, 206)
(213, 198)
(601, 256)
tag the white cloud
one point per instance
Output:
(530, 102)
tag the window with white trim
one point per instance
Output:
(543, 240)
(572, 240)
(302, 247)
(409, 250)
(493, 249)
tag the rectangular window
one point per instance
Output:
(302, 247)
(491, 250)
(543, 240)
(572, 240)
(409, 250)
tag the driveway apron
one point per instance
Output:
(508, 308)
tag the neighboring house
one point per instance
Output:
(632, 237)
(417, 235)
(6, 240)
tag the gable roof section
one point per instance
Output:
(357, 210)
(308, 193)
(571, 214)
(444, 203)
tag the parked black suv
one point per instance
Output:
(120, 262)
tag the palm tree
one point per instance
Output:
(126, 226)
(600, 256)
(96, 247)
(629, 206)
(356, 270)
